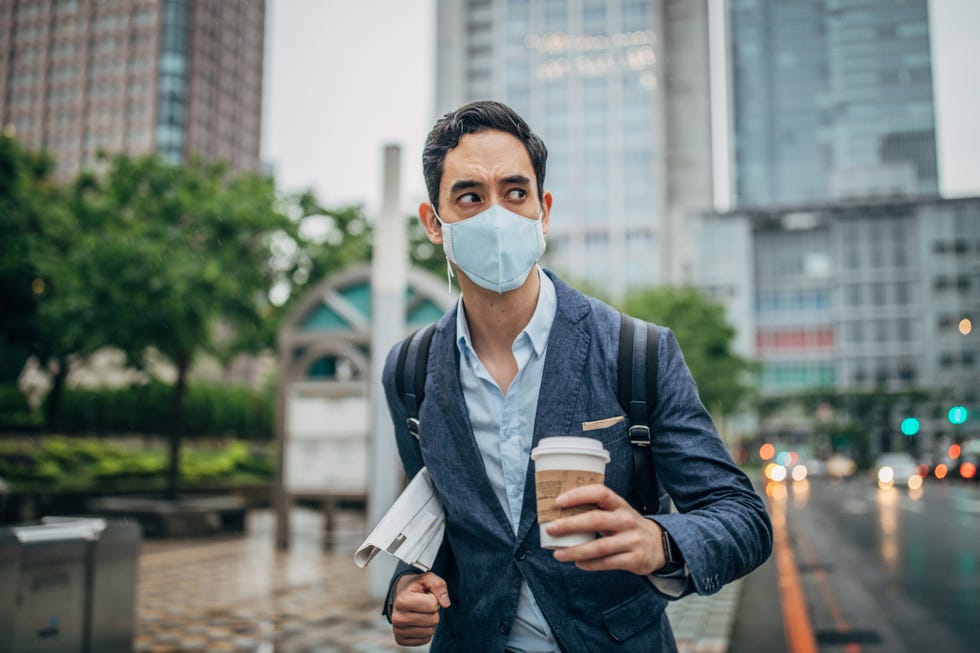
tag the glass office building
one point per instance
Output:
(592, 77)
(868, 296)
(169, 76)
(832, 99)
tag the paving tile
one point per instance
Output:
(241, 595)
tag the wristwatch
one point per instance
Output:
(672, 555)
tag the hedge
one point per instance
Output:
(15, 412)
(209, 410)
(57, 463)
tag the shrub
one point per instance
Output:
(209, 410)
(56, 463)
(15, 412)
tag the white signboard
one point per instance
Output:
(326, 444)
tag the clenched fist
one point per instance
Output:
(415, 611)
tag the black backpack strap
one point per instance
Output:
(637, 385)
(413, 357)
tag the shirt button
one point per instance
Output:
(504, 627)
(515, 492)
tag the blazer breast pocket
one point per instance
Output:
(613, 433)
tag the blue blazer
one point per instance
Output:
(721, 526)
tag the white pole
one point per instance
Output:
(389, 270)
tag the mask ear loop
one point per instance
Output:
(449, 267)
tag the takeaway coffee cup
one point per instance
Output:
(560, 464)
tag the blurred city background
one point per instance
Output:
(207, 245)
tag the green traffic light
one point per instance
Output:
(910, 426)
(957, 414)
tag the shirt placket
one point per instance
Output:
(513, 425)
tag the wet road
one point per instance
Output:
(878, 569)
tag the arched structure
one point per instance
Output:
(323, 412)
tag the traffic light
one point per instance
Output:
(957, 414)
(910, 426)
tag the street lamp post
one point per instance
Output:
(389, 270)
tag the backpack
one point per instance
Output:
(636, 390)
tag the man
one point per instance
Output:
(522, 356)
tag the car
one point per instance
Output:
(967, 466)
(840, 466)
(897, 468)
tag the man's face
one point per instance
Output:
(486, 168)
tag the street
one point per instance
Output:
(858, 568)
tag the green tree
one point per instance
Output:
(335, 239)
(168, 254)
(24, 183)
(723, 377)
(423, 254)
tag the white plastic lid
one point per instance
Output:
(570, 444)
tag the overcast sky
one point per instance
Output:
(345, 78)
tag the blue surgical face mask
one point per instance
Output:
(495, 249)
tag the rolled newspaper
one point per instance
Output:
(411, 530)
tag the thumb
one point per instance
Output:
(436, 586)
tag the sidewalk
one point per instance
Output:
(240, 594)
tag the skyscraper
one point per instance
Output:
(619, 93)
(169, 76)
(832, 99)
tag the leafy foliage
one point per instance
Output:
(57, 463)
(25, 188)
(705, 337)
(210, 410)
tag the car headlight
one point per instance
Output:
(886, 475)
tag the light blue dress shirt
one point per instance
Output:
(504, 426)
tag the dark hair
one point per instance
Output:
(470, 119)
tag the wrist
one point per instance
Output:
(673, 559)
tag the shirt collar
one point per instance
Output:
(538, 329)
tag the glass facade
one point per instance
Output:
(584, 75)
(795, 336)
(172, 110)
(858, 296)
(832, 99)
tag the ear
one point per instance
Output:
(427, 216)
(546, 201)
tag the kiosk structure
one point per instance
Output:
(323, 417)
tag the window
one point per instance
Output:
(878, 293)
(902, 292)
(903, 330)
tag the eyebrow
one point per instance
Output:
(517, 179)
(465, 184)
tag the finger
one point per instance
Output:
(412, 639)
(594, 521)
(435, 586)
(628, 551)
(595, 549)
(625, 561)
(418, 602)
(599, 495)
(414, 631)
(408, 619)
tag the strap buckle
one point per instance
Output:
(413, 427)
(640, 435)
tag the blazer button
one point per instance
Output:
(504, 626)
(520, 554)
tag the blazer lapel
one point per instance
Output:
(447, 393)
(564, 367)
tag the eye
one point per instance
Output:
(468, 198)
(516, 194)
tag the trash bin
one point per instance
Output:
(68, 584)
